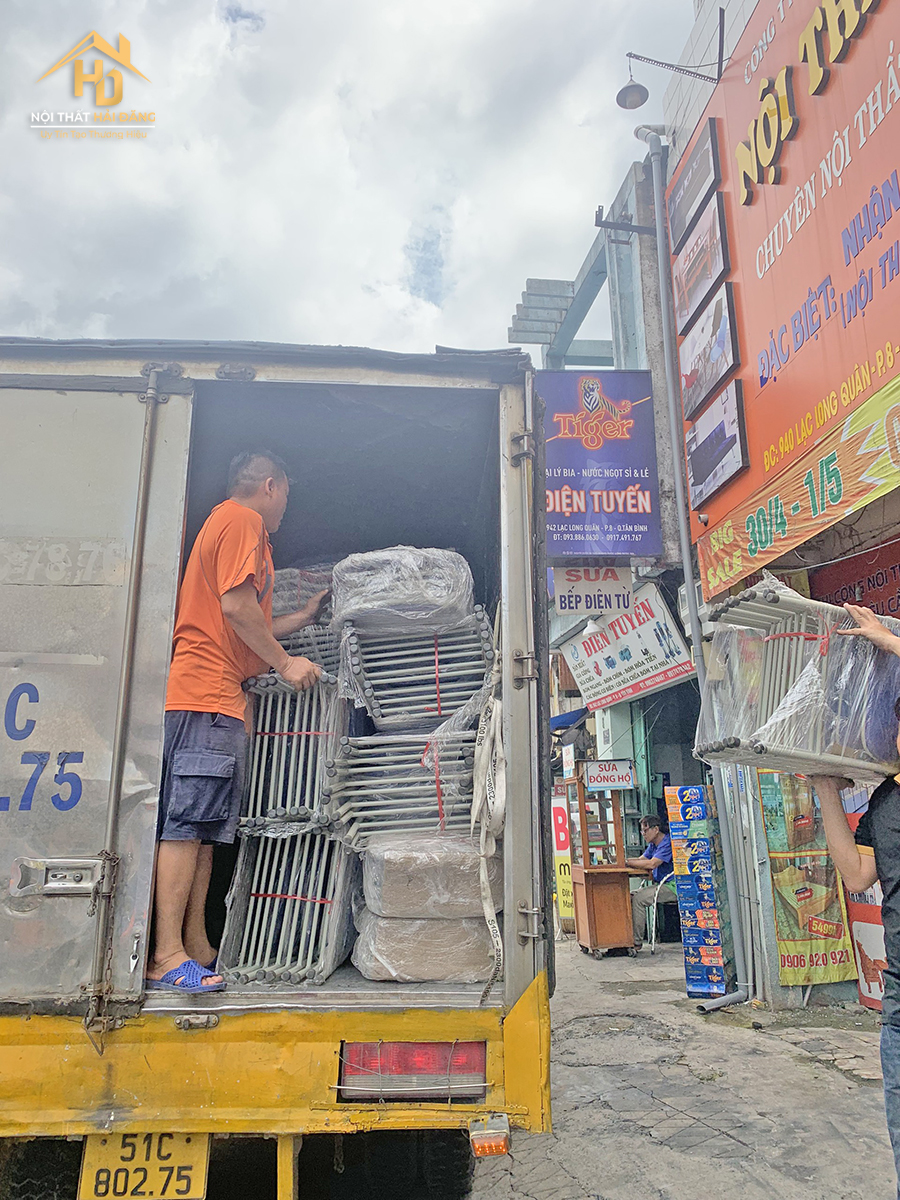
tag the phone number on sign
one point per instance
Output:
(824, 958)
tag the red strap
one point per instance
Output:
(822, 638)
(286, 896)
(437, 783)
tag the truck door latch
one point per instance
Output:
(56, 876)
(526, 449)
(525, 669)
(533, 920)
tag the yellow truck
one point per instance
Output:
(114, 452)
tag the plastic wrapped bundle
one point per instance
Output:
(403, 589)
(426, 876)
(422, 951)
(787, 692)
(294, 586)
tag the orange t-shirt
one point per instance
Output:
(209, 660)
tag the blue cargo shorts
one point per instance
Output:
(203, 772)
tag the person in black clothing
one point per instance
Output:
(874, 855)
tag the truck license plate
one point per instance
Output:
(144, 1165)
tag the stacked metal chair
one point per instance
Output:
(381, 784)
(289, 910)
(410, 683)
(417, 681)
(786, 692)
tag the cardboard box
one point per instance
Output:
(701, 811)
(685, 831)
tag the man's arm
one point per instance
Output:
(856, 866)
(643, 864)
(307, 615)
(241, 610)
(868, 626)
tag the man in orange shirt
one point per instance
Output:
(224, 634)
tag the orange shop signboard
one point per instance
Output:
(804, 150)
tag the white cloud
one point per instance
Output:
(373, 174)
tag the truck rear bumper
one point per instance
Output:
(263, 1073)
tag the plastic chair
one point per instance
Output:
(652, 913)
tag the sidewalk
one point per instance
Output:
(654, 1101)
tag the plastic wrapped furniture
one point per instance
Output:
(785, 692)
(380, 784)
(290, 907)
(403, 590)
(294, 586)
(408, 681)
(411, 951)
(420, 875)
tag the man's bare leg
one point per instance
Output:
(196, 940)
(176, 863)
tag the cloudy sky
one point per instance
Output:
(379, 173)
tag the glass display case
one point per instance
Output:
(600, 880)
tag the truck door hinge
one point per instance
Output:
(525, 669)
(57, 876)
(237, 372)
(525, 447)
(532, 923)
(196, 1021)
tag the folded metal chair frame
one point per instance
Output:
(791, 695)
(417, 681)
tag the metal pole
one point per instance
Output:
(650, 135)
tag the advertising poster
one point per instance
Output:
(716, 445)
(630, 655)
(602, 483)
(808, 137)
(702, 264)
(696, 182)
(708, 353)
(810, 917)
(562, 858)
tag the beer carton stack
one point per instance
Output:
(700, 886)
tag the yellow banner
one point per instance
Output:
(852, 466)
(810, 918)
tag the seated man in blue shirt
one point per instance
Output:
(657, 862)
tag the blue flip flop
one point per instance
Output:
(187, 978)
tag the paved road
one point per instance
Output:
(652, 1101)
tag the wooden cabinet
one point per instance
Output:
(600, 879)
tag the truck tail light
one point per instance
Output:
(489, 1137)
(413, 1071)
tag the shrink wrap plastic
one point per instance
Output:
(403, 590)
(422, 951)
(426, 876)
(294, 586)
(786, 692)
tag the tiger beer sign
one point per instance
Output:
(602, 484)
